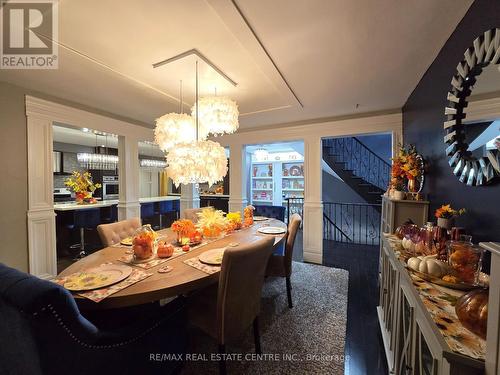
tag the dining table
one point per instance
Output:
(181, 280)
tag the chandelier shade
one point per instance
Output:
(197, 162)
(216, 115)
(174, 128)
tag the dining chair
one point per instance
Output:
(191, 214)
(42, 331)
(273, 212)
(226, 310)
(113, 233)
(281, 265)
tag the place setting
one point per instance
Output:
(99, 282)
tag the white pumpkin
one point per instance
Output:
(408, 244)
(429, 265)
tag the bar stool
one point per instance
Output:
(166, 208)
(148, 214)
(87, 218)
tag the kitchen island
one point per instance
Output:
(70, 206)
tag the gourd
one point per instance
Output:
(472, 311)
(408, 244)
(429, 265)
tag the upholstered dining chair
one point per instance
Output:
(281, 265)
(191, 214)
(113, 233)
(273, 212)
(226, 310)
(43, 332)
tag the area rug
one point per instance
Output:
(307, 339)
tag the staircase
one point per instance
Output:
(358, 166)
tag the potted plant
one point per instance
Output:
(445, 215)
(83, 186)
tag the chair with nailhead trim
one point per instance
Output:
(43, 332)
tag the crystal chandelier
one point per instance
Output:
(152, 164)
(97, 161)
(217, 115)
(197, 161)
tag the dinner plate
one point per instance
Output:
(271, 230)
(127, 241)
(260, 218)
(97, 277)
(212, 257)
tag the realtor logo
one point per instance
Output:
(28, 30)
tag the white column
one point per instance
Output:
(128, 177)
(41, 216)
(190, 197)
(313, 204)
(238, 177)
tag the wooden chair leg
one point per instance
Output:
(256, 335)
(222, 361)
(289, 292)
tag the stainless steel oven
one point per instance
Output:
(110, 187)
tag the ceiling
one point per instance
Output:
(292, 60)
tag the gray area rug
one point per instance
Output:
(307, 339)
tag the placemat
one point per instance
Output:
(98, 295)
(195, 262)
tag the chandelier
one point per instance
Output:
(97, 161)
(105, 161)
(152, 164)
(197, 161)
(217, 115)
(174, 128)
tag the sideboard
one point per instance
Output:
(420, 330)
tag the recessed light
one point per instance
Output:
(103, 145)
(86, 130)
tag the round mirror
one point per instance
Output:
(473, 125)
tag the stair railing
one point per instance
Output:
(332, 232)
(362, 161)
(358, 223)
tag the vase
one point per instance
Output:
(444, 223)
(398, 195)
(412, 185)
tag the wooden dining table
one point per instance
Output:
(181, 280)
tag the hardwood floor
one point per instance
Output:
(364, 348)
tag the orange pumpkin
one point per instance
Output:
(472, 311)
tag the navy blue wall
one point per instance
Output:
(423, 116)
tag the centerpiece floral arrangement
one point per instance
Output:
(211, 222)
(185, 229)
(234, 221)
(82, 184)
(406, 167)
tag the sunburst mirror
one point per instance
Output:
(473, 146)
